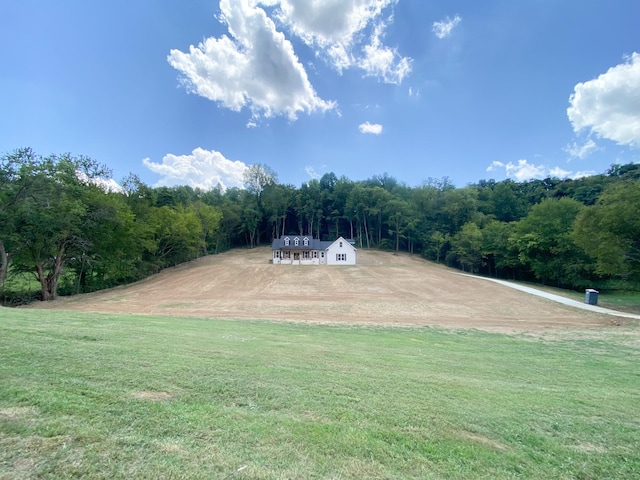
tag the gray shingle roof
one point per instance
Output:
(314, 243)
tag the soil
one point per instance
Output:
(384, 288)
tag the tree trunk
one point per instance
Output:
(366, 232)
(49, 282)
(4, 263)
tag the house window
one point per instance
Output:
(315, 254)
(286, 241)
(306, 254)
(305, 242)
(341, 257)
(340, 244)
(322, 254)
(277, 254)
(296, 241)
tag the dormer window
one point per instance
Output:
(305, 242)
(286, 241)
(297, 241)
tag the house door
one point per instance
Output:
(296, 256)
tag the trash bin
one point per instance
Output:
(591, 296)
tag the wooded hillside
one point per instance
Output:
(63, 227)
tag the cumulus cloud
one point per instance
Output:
(372, 128)
(443, 28)
(256, 67)
(523, 170)
(558, 172)
(383, 62)
(110, 185)
(107, 184)
(327, 23)
(609, 105)
(581, 151)
(337, 31)
(205, 169)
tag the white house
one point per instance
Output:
(306, 250)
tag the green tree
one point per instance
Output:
(357, 207)
(508, 205)
(49, 219)
(398, 214)
(177, 235)
(112, 253)
(380, 204)
(209, 218)
(434, 245)
(276, 200)
(309, 207)
(498, 251)
(466, 247)
(458, 207)
(545, 243)
(609, 231)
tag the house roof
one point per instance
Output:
(314, 243)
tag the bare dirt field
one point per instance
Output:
(383, 288)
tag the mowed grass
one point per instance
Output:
(104, 396)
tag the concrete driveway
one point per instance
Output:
(563, 300)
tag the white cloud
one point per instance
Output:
(523, 171)
(495, 165)
(382, 61)
(558, 172)
(107, 184)
(255, 68)
(372, 128)
(205, 169)
(581, 151)
(609, 105)
(330, 22)
(444, 28)
(582, 174)
(312, 172)
(336, 29)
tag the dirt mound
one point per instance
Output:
(384, 288)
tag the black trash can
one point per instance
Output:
(591, 296)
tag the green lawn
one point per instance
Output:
(114, 397)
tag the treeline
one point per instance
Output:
(61, 225)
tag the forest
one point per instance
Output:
(64, 231)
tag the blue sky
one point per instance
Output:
(193, 92)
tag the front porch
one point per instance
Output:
(298, 257)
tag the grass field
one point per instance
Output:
(114, 396)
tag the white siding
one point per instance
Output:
(341, 252)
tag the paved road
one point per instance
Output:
(559, 299)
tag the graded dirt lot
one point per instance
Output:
(383, 288)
